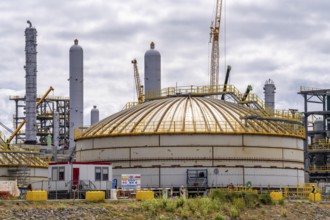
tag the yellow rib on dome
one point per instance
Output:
(191, 115)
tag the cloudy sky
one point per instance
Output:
(285, 40)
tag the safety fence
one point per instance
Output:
(219, 90)
(319, 146)
(289, 192)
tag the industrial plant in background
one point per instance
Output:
(194, 136)
(182, 136)
(317, 143)
(76, 90)
(49, 121)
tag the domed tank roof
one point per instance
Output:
(75, 46)
(180, 115)
(152, 51)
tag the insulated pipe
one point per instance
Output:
(56, 135)
(226, 81)
(248, 90)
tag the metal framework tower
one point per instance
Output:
(31, 83)
(44, 118)
(317, 144)
(214, 39)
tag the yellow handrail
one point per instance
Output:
(228, 127)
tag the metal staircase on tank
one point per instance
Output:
(256, 104)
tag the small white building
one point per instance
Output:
(64, 177)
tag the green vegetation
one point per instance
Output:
(219, 205)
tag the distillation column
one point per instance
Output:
(31, 83)
(269, 90)
(56, 136)
(76, 90)
(152, 72)
(95, 115)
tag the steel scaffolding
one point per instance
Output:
(316, 145)
(45, 115)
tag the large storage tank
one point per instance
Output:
(76, 89)
(152, 72)
(165, 140)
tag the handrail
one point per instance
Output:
(230, 127)
(315, 168)
(219, 90)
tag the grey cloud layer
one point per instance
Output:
(279, 39)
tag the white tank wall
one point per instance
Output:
(169, 177)
(191, 140)
(179, 152)
(76, 90)
(127, 141)
(171, 152)
(196, 140)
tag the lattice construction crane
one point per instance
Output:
(139, 87)
(214, 39)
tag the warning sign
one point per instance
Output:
(130, 181)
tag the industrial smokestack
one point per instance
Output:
(152, 72)
(30, 83)
(269, 90)
(76, 90)
(95, 115)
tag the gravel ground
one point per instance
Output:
(77, 210)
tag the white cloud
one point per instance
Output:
(286, 41)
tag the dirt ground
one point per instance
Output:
(131, 209)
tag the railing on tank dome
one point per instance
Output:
(18, 156)
(130, 105)
(189, 127)
(251, 99)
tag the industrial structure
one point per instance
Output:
(152, 71)
(214, 39)
(44, 118)
(269, 90)
(164, 139)
(31, 83)
(21, 164)
(181, 136)
(95, 115)
(22, 154)
(195, 136)
(138, 85)
(76, 90)
(317, 123)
